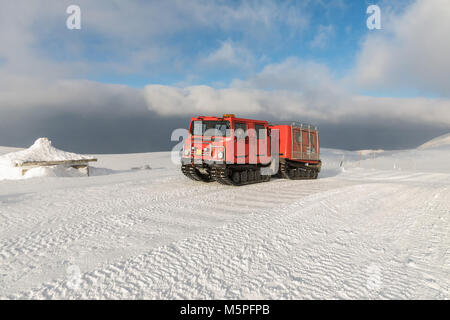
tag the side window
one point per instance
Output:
(240, 130)
(311, 138)
(305, 137)
(260, 131)
(298, 136)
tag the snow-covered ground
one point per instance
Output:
(378, 227)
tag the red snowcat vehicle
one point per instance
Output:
(238, 151)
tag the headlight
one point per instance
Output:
(220, 155)
(186, 152)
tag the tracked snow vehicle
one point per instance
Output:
(238, 151)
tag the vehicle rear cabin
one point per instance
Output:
(299, 150)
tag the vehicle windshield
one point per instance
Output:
(210, 128)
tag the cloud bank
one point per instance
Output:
(299, 90)
(411, 53)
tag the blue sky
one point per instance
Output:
(346, 20)
(343, 24)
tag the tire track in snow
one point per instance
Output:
(157, 218)
(302, 250)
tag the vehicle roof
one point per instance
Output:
(228, 118)
(294, 124)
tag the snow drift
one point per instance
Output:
(440, 141)
(42, 150)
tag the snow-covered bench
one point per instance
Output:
(43, 154)
(77, 164)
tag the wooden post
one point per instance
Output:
(374, 158)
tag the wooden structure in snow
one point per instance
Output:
(43, 154)
(77, 164)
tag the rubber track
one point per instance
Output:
(193, 174)
(284, 168)
(223, 176)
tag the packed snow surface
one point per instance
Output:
(375, 228)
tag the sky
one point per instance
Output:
(137, 70)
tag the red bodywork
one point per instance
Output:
(240, 144)
(297, 142)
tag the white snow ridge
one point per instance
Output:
(41, 150)
(440, 141)
(378, 230)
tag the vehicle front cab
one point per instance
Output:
(227, 140)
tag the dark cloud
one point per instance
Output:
(360, 134)
(149, 132)
(93, 133)
(377, 136)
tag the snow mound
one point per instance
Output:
(41, 150)
(440, 141)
